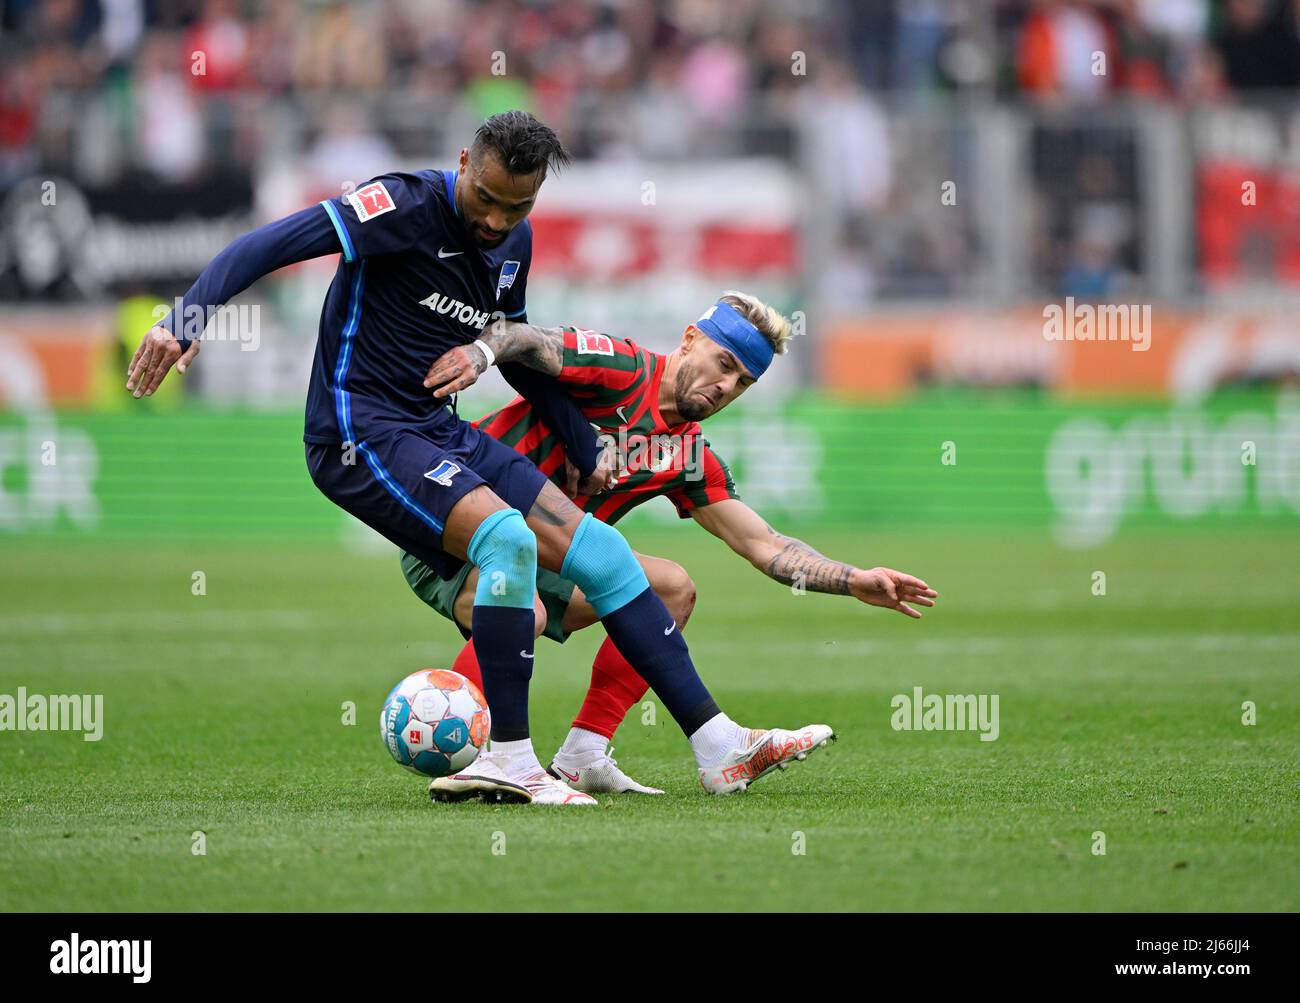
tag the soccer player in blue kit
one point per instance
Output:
(428, 260)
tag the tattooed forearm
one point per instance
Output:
(798, 564)
(540, 348)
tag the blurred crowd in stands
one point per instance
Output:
(703, 60)
(178, 87)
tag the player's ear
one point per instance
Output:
(688, 337)
(464, 159)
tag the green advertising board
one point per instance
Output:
(1078, 471)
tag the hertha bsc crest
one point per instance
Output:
(508, 272)
(443, 473)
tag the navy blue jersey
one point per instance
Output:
(411, 284)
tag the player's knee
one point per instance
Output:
(602, 564)
(539, 617)
(672, 585)
(505, 551)
(502, 539)
(463, 608)
(680, 593)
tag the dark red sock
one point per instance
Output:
(467, 665)
(615, 689)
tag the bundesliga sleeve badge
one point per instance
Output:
(592, 343)
(370, 201)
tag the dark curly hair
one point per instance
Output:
(524, 144)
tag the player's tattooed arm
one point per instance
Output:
(780, 557)
(539, 348)
(794, 563)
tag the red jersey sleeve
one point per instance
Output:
(594, 359)
(713, 483)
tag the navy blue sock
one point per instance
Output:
(503, 636)
(639, 630)
(505, 551)
(601, 563)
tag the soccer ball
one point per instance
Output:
(434, 722)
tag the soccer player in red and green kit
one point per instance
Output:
(647, 408)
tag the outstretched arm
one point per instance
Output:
(175, 340)
(792, 562)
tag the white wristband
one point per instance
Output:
(490, 355)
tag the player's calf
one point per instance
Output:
(503, 618)
(602, 564)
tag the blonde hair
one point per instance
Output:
(771, 323)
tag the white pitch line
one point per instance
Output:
(1002, 645)
(235, 621)
(155, 622)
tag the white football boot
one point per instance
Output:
(546, 789)
(483, 779)
(597, 773)
(770, 750)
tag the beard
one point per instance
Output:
(478, 240)
(689, 406)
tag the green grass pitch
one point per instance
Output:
(1119, 714)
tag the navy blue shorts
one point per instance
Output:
(406, 478)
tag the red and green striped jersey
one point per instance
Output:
(615, 383)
